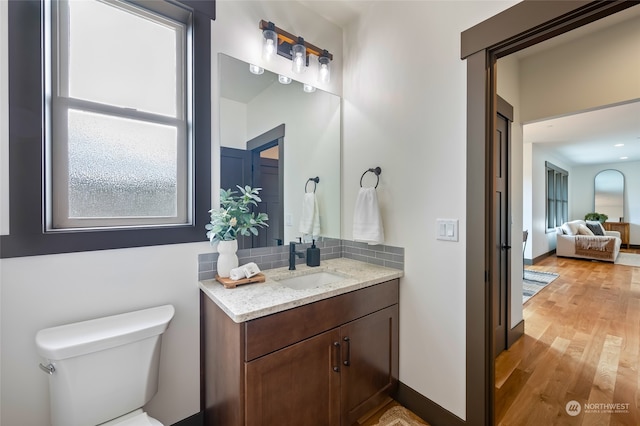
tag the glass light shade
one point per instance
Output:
(308, 88)
(256, 69)
(298, 58)
(324, 70)
(269, 44)
(284, 79)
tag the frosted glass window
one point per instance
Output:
(120, 167)
(119, 139)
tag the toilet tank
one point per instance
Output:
(104, 367)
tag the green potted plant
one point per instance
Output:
(233, 218)
(600, 217)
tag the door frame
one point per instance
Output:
(521, 26)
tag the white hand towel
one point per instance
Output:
(237, 274)
(310, 218)
(250, 269)
(367, 221)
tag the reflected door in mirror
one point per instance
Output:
(243, 167)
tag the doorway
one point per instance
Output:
(521, 26)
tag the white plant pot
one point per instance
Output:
(227, 258)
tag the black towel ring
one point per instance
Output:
(377, 172)
(315, 181)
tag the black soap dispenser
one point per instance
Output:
(313, 255)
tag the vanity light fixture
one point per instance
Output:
(299, 58)
(618, 145)
(324, 70)
(308, 88)
(284, 79)
(294, 48)
(624, 158)
(256, 69)
(269, 41)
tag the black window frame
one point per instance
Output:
(558, 200)
(27, 236)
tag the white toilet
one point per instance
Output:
(103, 371)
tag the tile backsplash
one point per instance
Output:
(330, 248)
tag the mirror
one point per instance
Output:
(609, 194)
(277, 137)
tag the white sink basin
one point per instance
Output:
(311, 280)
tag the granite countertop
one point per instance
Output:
(251, 301)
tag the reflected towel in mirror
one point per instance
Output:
(310, 218)
(367, 221)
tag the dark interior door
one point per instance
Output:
(502, 255)
(266, 175)
(235, 169)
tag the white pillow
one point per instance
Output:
(583, 230)
(570, 228)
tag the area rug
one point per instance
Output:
(399, 416)
(534, 281)
(628, 259)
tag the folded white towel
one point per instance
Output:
(250, 269)
(310, 218)
(237, 274)
(244, 271)
(367, 221)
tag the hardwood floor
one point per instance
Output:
(581, 343)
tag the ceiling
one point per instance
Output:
(589, 137)
(580, 139)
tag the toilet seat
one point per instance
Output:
(135, 418)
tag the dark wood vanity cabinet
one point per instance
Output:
(326, 363)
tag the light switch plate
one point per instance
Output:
(447, 229)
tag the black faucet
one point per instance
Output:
(293, 253)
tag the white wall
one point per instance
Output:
(509, 89)
(234, 116)
(404, 110)
(44, 291)
(582, 195)
(543, 242)
(594, 70)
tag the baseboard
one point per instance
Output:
(196, 420)
(515, 333)
(425, 408)
(539, 258)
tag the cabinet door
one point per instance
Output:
(297, 385)
(369, 348)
